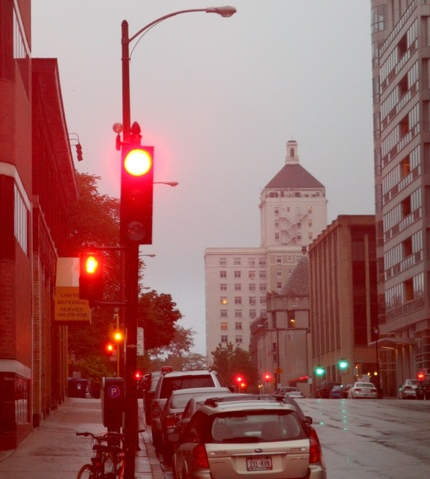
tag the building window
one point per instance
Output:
(223, 287)
(251, 286)
(252, 313)
(237, 287)
(278, 260)
(262, 300)
(378, 17)
(276, 236)
(223, 274)
(262, 261)
(407, 247)
(224, 338)
(406, 207)
(238, 339)
(223, 261)
(224, 326)
(408, 289)
(263, 287)
(262, 274)
(224, 313)
(238, 313)
(223, 300)
(276, 211)
(237, 274)
(251, 261)
(20, 221)
(236, 261)
(238, 300)
(238, 325)
(252, 300)
(279, 285)
(251, 274)
(278, 273)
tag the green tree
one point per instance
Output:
(229, 361)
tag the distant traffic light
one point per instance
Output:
(118, 336)
(267, 377)
(91, 279)
(109, 348)
(319, 371)
(79, 152)
(239, 378)
(291, 323)
(343, 364)
(137, 180)
(421, 376)
(138, 375)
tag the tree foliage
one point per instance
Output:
(95, 222)
(229, 361)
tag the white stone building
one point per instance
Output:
(293, 209)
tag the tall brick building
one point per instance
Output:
(37, 182)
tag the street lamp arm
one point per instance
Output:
(226, 11)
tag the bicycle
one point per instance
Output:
(108, 459)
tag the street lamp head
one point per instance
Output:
(226, 11)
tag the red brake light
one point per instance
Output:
(314, 447)
(200, 458)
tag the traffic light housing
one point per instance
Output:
(239, 378)
(267, 377)
(319, 371)
(137, 180)
(91, 281)
(421, 376)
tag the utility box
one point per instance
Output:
(113, 402)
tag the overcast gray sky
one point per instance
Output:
(218, 98)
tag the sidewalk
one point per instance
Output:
(53, 450)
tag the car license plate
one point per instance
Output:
(258, 463)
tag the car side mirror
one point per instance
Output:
(308, 420)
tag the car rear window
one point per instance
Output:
(185, 382)
(365, 385)
(255, 426)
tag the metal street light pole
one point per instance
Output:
(132, 249)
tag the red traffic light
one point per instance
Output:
(137, 181)
(138, 162)
(239, 378)
(91, 276)
(267, 376)
(138, 375)
(421, 376)
(243, 385)
(109, 348)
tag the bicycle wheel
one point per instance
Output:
(85, 472)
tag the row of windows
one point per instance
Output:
(293, 194)
(238, 274)
(238, 261)
(402, 93)
(20, 221)
(394, 176)
(409, 290)
(401, 130)
(409, 246)
(399, 51)
(238, 287)
(237, 339)
(238, 300)
(238, 313)
(405, 16)
(377, 20)
(402, 210)
(224, 325)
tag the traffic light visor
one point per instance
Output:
(138, 162)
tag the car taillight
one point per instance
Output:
(200, 458)
(171, 420)
(314, 447)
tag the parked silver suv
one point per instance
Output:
(170, 382)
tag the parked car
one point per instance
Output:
(363, 390)
(408, 390)
(172, 413)
(345, 389)
(423, 388)
(336, 392)
(171, 382)
(147, 387)
(290, 391)
(323, 390)
(248, 438)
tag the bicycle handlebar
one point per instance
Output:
(102, 437)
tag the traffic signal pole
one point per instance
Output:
(131, 285)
